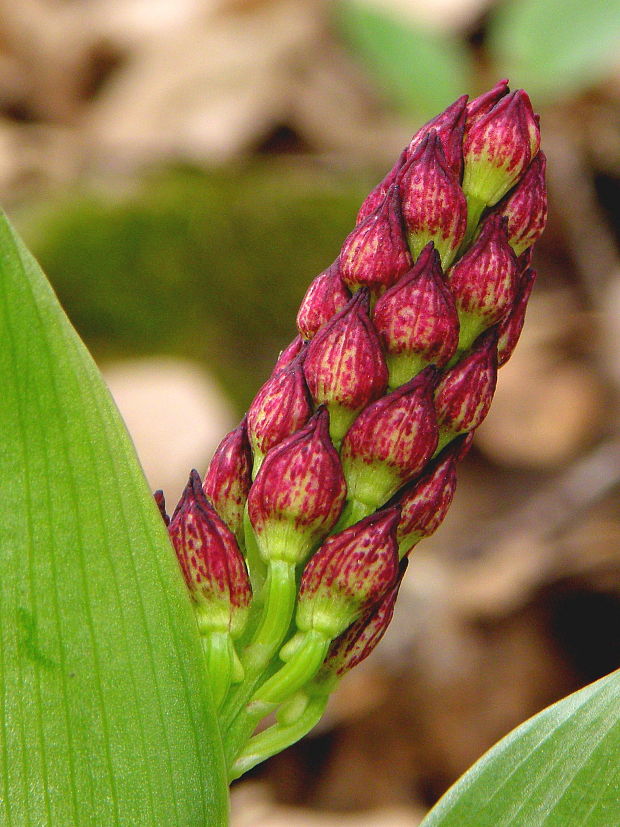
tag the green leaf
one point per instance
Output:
(559, 769)
(105, 714)
(421, 70)
(555, 48)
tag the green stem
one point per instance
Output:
(256, 565)
(220, 657)
(280, 591)
(300, 669)
(278, 737)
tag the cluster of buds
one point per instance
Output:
(295, 544)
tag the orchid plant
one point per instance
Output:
(128, 700)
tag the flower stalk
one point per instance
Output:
(296, 544)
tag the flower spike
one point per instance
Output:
(357, 435)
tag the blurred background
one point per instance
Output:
(183, 168)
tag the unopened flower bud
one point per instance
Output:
(229, 477)
(288, 354)
(425, 501)
(526, 207)
(349, 573)
(376, 197)
(376, 254)
(280, 407)
(433, 204)
(345, 368)
(211, 562)
(464, 394)
(416, 320)
(391, 441)
(511, 326)
(361, 638)
(498, 147)
(482, 105)
(326, 295)
(298, 493)
(449, 126)
(484, 281)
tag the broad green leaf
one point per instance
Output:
(422, 71)
(105, 713)
(559, 769)
(554, 48)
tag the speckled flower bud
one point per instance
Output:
(391, 441)
(376, 254)
(361, 638)
(526, 207)
(349, 573)
(484, 281)
(345, 368)
(425, 501)
(464, 394)
(229, 476)
(417, 320)
(376, 197)
(511, 326)
(433, 204)
(289, 353)
(211, 562)
(449, 126)
(498, 147)
(298, 493)
(280, 407)
(324, 298)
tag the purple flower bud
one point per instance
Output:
(211, 562)
(160, 502)
(511, 326)
(425, 501)
(463, 396)
(298, 493)
(345, 368)
(324, 298)
(391, 441)
(416, 320)
(288, 354)
(376, 254)
(433, 203)
(498, 147)
(229, 477)
(526, 206)
(351, 572)
(484, 281)
(280, 407)
(483, 104)
(376, 197)
(361, 638)
(449, 126)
